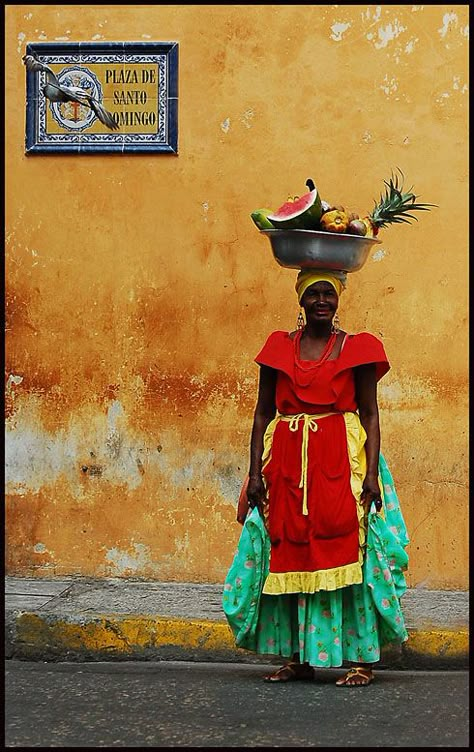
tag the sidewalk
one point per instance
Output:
(79, 619)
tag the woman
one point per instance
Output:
(314, 475)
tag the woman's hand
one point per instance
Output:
(371, 492)
(256, 492)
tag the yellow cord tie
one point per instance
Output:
(309, 424)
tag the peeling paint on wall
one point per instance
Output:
(35, 457)
(247, 118)
(410, 46)
(13, 380)
(21, 39)
(449, 19)
(374, 16)
(338, 30)
(122, 562)
(388, 33)
(379, 255)
(104, 448)
(409, 394)
(457, 85)
(389, 85)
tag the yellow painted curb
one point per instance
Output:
(124, 635)
(121, 634)
(438, 643)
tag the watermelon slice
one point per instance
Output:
(301, 214)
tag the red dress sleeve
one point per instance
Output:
(277, 352)
(361, 349)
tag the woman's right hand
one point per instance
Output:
(256, 492)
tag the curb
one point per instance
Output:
(48, 637)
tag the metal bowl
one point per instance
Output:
(313, 249)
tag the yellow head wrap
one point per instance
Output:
(308, 277)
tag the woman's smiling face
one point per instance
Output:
(320, 302)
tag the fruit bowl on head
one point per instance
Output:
(314, 249)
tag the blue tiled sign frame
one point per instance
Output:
(164, 54)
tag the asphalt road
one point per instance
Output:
(177, 704)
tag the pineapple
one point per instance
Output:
(394, 207)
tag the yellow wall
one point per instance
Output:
(139, 291)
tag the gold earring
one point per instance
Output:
(336, 324)
(300, 320)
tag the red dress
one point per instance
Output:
(318, 535)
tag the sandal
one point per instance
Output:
(365, 674)
(290, 672)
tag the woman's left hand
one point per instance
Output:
(371, 492)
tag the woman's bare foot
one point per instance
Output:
(291, 672)
(356, 677)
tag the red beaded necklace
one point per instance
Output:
(313, 363)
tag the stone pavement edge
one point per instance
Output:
(82, 619)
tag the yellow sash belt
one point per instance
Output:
(310, 423)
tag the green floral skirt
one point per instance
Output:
(325, 628)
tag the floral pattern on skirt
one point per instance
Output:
(325, 628)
